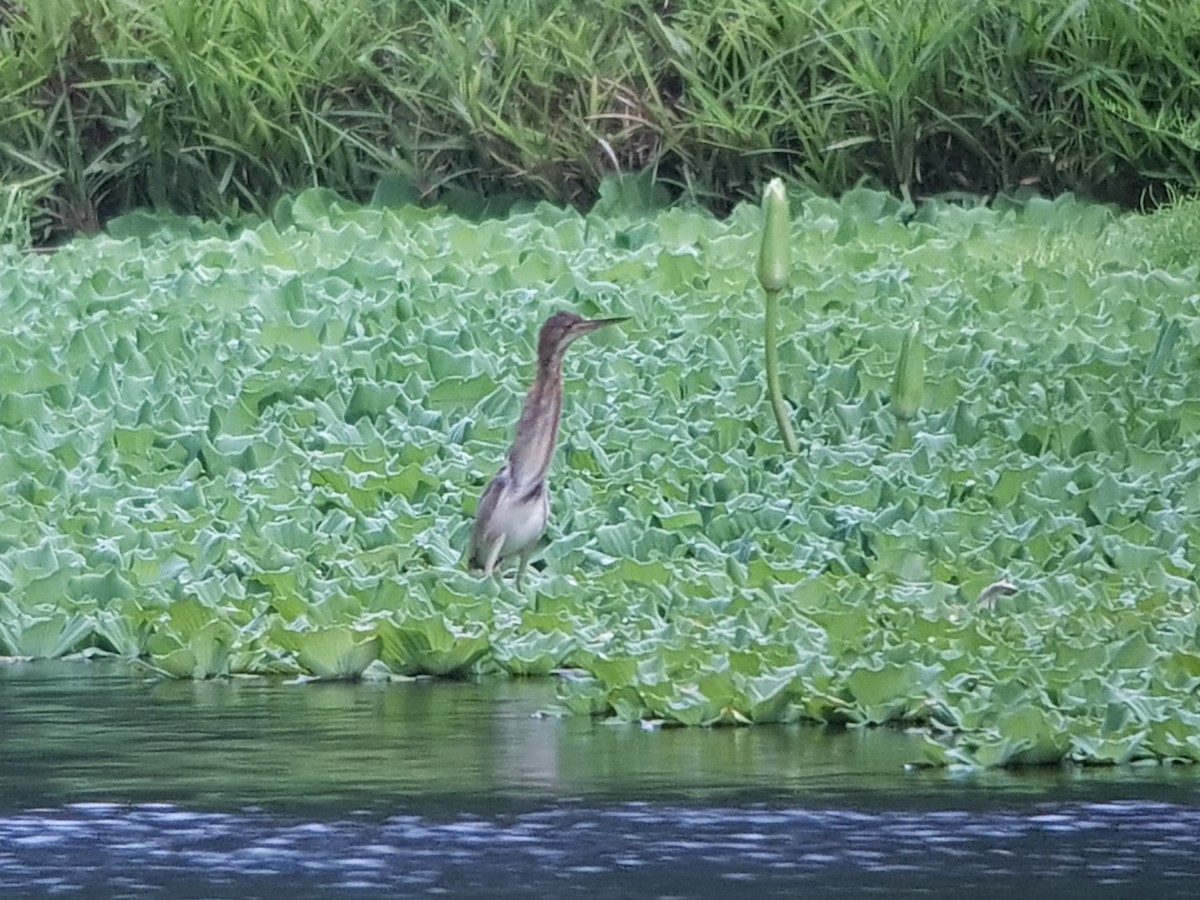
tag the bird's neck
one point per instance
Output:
(537, 431)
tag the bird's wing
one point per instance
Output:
(483, 516)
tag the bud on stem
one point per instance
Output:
(910, 375)
(773, 265)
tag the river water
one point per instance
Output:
(117, 785)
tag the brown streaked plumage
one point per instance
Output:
(515, 505)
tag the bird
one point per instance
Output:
(515, 506)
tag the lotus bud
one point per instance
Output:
(910, 375)
(774, 256)
(1168, 334)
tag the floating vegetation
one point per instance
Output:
(257, 449)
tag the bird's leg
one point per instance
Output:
(521, 568)
(493, 555)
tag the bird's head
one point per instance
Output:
(561, 330)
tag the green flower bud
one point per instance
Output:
(774, 256)
(910, 375)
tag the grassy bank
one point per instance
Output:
(221, 107)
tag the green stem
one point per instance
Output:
(778, 404)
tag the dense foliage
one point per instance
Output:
(217, 107)
(257, 449)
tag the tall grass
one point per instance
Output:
(219, 106)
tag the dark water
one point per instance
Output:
(117, 786)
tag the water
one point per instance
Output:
(119, 786)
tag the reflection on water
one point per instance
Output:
(75, 735)
(112, 785)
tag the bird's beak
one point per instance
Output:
(592, 324)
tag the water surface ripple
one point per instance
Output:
(1088, 850)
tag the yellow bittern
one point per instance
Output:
(515, 505)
